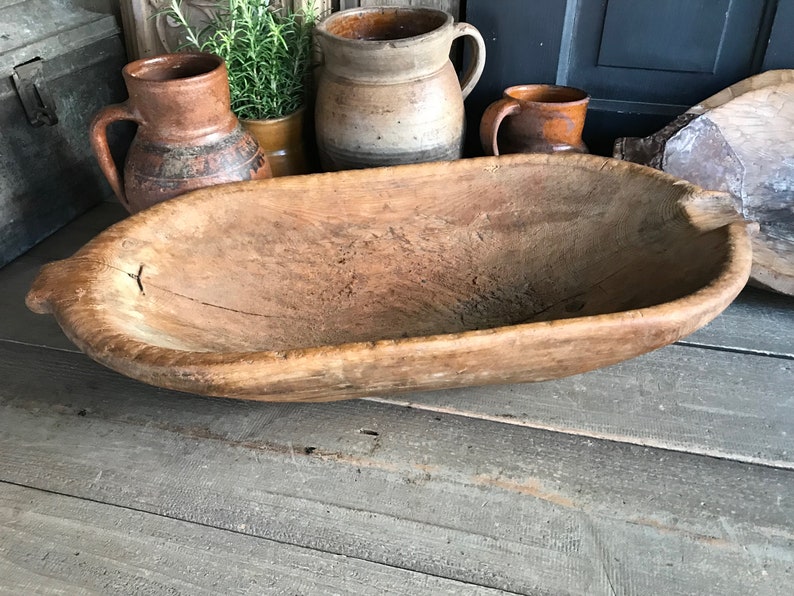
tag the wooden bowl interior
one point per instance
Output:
(326, 260)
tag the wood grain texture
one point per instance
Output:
(56, 544)
(185, 489)
(759, 81)
(756, 321)
(469, 500)
(752, 126)
(338, 285)
(759, 322)
(16, 324)
(709, 402)
(739, 413)
(714, 403)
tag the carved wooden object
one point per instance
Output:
(740, 140)
(329, 286)
(148, 32)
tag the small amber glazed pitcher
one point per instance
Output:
(187, 135)
(535, 119)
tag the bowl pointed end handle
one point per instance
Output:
(44, 291)
(711, 209)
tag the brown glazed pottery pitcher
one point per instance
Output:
(540, 119)
(387, 93)
(187, 135)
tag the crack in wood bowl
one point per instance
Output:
(330, 286)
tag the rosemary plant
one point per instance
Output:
(267, 50)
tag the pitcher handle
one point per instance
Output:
(492, 118)
(477, 46)
(99, 143)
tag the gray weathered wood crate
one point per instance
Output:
(47, 173)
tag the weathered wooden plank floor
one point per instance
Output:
(668, 474)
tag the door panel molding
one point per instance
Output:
(719, 46)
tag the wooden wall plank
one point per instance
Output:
(470, 500)
(712, 403)
(758, 321)
(709, 402)
(58, 544)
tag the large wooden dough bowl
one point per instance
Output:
(330, 286)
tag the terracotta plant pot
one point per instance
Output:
(535, 119)
(388, 93)
(282, 141)
(187, 135)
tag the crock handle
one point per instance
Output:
(99, 143)
(492, 118)
(477, 65)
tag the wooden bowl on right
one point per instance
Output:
(740, 141)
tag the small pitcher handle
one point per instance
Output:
(99, 143)
(492, 118)
(477, 45)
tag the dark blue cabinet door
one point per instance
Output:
(664, 56)
(780, 51)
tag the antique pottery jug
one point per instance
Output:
(187, 135)
(535, 119)
(388, 93)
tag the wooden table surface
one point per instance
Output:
(672, 473)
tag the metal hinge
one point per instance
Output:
(29, 81)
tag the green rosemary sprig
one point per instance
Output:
(267, 50)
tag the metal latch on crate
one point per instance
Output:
(29, 81)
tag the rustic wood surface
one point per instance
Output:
(732, 424)
(330, 286)
(53, 544)
(739, 141)
(169, 492)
